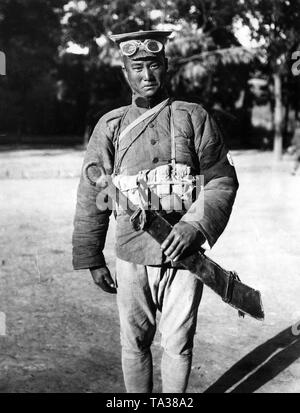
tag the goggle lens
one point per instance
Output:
(153, 46)
(128, 48)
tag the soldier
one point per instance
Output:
(167, 142)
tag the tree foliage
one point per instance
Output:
(48, 90)
(275, 24)
(29, 36)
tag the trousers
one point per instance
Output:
(141, 292)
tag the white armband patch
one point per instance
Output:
(230, 160)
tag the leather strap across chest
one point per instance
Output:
(153, 111)
(150, 115)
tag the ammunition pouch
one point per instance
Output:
(175, 187)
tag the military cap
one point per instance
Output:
(141, 35)
(144, 37)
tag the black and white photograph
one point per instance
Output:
(149, 199)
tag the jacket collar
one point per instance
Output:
(149, 103)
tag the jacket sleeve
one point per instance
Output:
(211, 210)
(91, 223)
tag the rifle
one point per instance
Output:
(224, 283)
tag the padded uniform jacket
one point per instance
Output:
(199, 144)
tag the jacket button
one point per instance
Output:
(155, 160)
(151, 125)
(153, 141)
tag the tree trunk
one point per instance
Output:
(286, 125)
(277, 148)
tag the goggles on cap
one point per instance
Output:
(130, 47)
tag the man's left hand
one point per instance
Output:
(182, 236)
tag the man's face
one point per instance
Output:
(146, 76)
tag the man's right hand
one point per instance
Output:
(103, 279)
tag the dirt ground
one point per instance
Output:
(62, 332)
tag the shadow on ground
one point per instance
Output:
(261, 365)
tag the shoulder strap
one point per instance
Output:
(154, 113)
(141, 118)
(173, 143)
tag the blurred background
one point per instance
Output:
(233, 56)
(59, 73)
